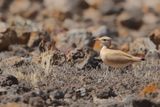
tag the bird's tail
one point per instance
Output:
(143, 59)
(138, 59)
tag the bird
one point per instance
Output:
(115, 58)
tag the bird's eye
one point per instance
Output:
(104, 39)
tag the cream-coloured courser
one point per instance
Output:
(115, 58)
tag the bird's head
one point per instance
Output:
(105, 41)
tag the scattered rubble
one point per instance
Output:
(48, 55)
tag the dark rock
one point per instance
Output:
(83, 58)
(104, 30)
(24, 87)
(16, 89)
(59, 103)
(7, 80)
(118, 1)
(26, 97)
(37, 102)
(18, 50)
(56, 94)
(7, 38)
(74, 38)
(4, 5)
(50, 58)
(12, 90)
(143, 103)
(10, 98)
(112, 104)
(65, 6)
(108, 7)
(3, 91)
(109, 92)
(132, 101)
(132, 23)
(101, 31)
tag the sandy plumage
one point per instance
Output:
(115, 58)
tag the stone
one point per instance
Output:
(56, 95)
(7, 80)
(74, 38)
(155, 37)
(132, 101)
(83, 58)
(37, 102)
(3, 27)
(108, 7)
(65, 6)
(81, 92)
(3, 91)
(7, 38)
(131, 21)
(109, 92)
(143, 47)
(52, 57)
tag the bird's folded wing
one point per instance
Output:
(119, 56)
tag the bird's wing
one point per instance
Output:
(120, 56)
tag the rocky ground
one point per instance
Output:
(49, 58)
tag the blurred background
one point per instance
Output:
(57, 19)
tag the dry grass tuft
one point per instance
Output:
(123, 82)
